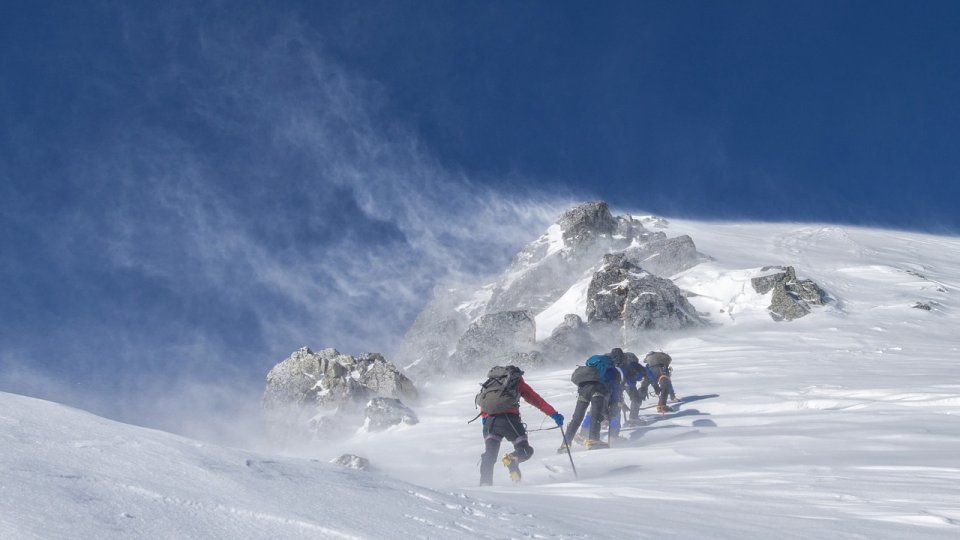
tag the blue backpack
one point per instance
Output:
(601, 363)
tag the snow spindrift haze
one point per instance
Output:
(840, 424)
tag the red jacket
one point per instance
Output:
(530, 397)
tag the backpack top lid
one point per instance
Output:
(499, 371)
(500, 392)
(657, 358)
(600, 362)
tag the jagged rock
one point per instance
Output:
(382, 413)
(495, 339)
(443, 339)
(351, 461)
(297, 380)
(383, 379)
(316, 393)
(571, 340)
(585, 222)
(624, 293)
(925, 306)
(541, 272)
(666, 256)
(791, 297)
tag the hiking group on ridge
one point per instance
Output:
(601, 382)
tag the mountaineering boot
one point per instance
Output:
(594, 444)
(635, 422)
(512, 464)
(564, 447)
(664, 409)
(579, 438)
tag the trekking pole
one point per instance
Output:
(566, 445)
(543, 429)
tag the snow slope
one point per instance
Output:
(842, 424)
(69, 474)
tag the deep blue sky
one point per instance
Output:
(837, 111)
(188, 194)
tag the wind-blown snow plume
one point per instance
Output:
(249, 197)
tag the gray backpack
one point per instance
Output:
(500, 392)
(584, 374)
(657, 359)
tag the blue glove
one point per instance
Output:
(558, 418)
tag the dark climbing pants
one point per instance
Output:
(593, 395)
(497, 427)
(666, 389)
(665, 386)
(636, 398)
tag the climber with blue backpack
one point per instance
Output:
(598, 387)
(499, 403)
(634, 373)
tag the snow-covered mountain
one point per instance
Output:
(593, 278)
(844, 423)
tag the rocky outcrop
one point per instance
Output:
(541, 272)
(382, 413)
(586, 222)
(351, 461)
(791, 297)
(382, 378)
(454, 331)
(622, 292)
(496, 339)
(571, 340)
(666, 256)
(319, 394)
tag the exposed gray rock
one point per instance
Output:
(571, 340)
(314, 394)
(308, 378)
(383, 378)
(624, 293)
(584, 223)
(351, 461)
(445, 337)
(495, 339)
(791, 297)
(541, 272)
(922, 305)
(382, 413)
(666, 256)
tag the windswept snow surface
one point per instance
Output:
(841, 424)
(69, 474)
